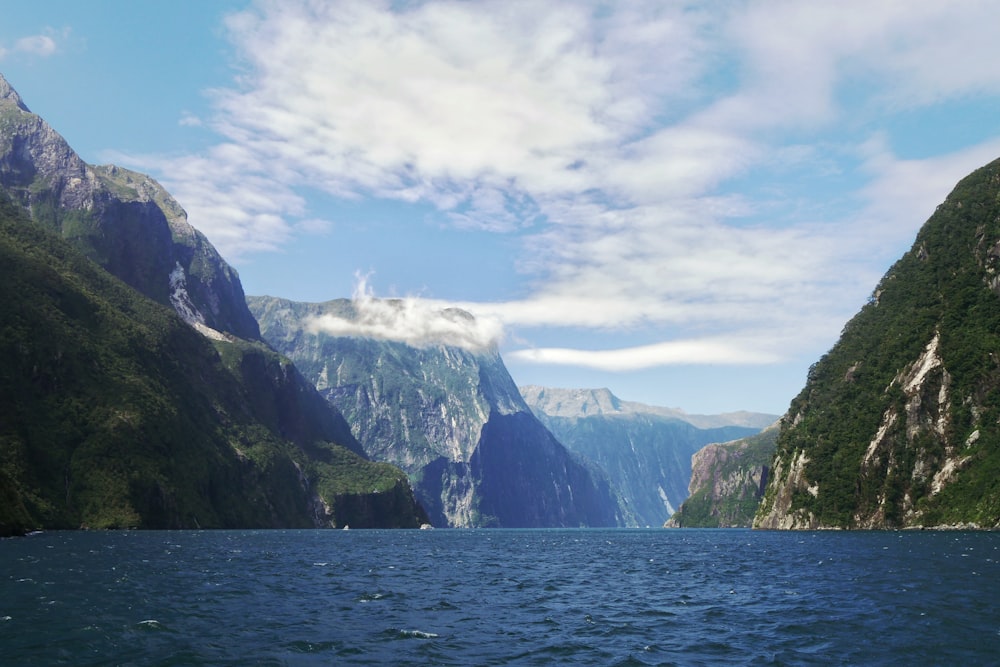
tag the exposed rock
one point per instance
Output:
(451, 417)
(578, 403)
(123, 220)
(899, 424)
(117, 412)
(645, 450)
(727, 482)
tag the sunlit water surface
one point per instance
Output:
(495, 597)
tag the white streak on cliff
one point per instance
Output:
(888, 419)
(181, 301)
(927, 362)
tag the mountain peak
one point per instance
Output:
(123, 219)
(572, 402)
(581, 403)
(896, 426)
(8, 94)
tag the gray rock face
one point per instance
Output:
(123, 220)
(727, 482)
(10, 95)
(644, 450)
(452, 418)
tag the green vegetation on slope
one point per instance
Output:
(729, 494)
(946, 285)
(115, 413)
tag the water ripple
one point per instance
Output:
(499, 597)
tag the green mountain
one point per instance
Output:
(644, 450)
(145, 398)
(451, 417)
(727, 482)
(899, 423)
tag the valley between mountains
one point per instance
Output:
(141, 388)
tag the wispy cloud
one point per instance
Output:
(188, 119)
(696, 351)
(664, 166)
(42, 45)
(39, 45)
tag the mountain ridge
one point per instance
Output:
(452, 418)
(125, 221)
(727, 482)
(564, 402)
(135, 389)
(646, 451)
(897, 425)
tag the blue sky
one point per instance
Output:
(681, 202)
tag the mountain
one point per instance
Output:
(146, 398)
(644, 450)
(898, 425)
(447, 414)
(727, 482)
(579, 403)
(124, 221)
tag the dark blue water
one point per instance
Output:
(453, 597)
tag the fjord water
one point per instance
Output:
(494, 597)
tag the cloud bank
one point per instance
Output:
(716, 174)
(415, 322)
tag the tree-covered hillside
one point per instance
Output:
(726, 482)
(115, 413)
(899, 423)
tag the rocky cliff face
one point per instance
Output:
(451, 417)
(120, 412)
(645, 450)
(898, 424)
(727, 482)
(123, 220)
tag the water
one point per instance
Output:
(478, 597)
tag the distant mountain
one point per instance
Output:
(644, 450)
(898, 424)
(451, 417)
(578, 403)
(147, 399)
(727, 482)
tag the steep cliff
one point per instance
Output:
(123, 220)
(645, 450)
(451, 417)
(116, 411)
(899, 423)
(727, 482)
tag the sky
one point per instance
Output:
(681, 202)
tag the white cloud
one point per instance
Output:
(708, 171)
(42, 45)
(228, 196)
(416, 322)
(670, 353)
(39, 45)
(188, 119)
(907, 191)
